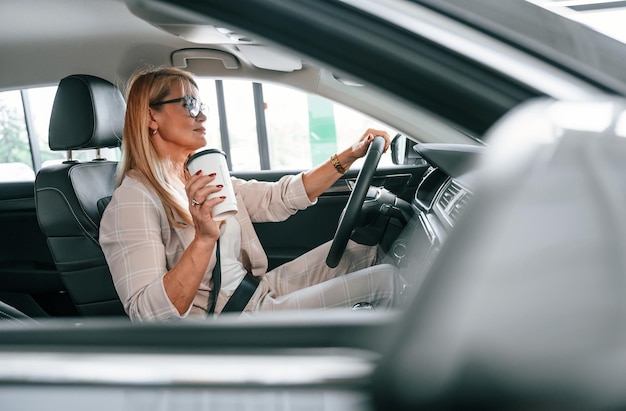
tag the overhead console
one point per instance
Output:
(214, 40)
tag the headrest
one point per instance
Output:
(88, 113)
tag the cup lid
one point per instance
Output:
(203, 152)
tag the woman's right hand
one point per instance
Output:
(198, 187)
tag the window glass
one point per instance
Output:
(287, 121)
(352, 124)
(303, 130)
(241, 120)
(40, 101)
(16, 163)
(312, 128)
(208, 95)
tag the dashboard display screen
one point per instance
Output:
(429, 186)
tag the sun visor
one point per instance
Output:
(269, 59)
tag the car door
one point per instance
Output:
(316, 225)
(28, 277)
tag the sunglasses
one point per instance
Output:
(189, 102)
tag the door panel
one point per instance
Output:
(316, 225)
(28, 277)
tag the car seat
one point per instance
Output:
(10, 313)
(88, 113)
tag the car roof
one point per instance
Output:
(553, 31)
(46, 40)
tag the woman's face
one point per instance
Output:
(178, 133)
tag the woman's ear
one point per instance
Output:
(152, 123)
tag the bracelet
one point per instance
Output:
(337, 164)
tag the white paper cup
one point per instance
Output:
(214, 161)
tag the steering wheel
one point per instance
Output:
(349, 215)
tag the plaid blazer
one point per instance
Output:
(140, 246)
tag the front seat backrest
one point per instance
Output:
(88, 113)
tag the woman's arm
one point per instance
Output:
(320, 178)
(181, 283)
(133, 234)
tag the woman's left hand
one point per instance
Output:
(359, 149)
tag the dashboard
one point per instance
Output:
(445, 189)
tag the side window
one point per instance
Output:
(312, 126)
(241, 121)
(24, 121)
(38, 103)
(270, 127)
(287, 118)
(16, 162)
(259, 126)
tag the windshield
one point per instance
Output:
(606, 17)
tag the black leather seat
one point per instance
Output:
(88, 113)
(10, 313)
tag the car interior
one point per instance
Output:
(45, 280)
(500, 213)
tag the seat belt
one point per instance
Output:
(237, 302)
(217, 278)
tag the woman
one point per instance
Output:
(159, 238)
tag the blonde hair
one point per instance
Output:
(146, 87)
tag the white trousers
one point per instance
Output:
(308, 283)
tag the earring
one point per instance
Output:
(154, 132)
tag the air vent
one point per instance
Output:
(453, 200)
(448, 195)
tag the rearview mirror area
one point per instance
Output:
(402, 150)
